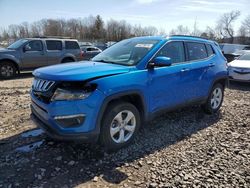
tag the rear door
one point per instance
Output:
(73, 48)
(33, 55)
(90, 52)
(201, 60)
(54, 50)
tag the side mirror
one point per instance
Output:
(160, 61)
(27, 48)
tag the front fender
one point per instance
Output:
(9, 57)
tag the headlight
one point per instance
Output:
(62, 95)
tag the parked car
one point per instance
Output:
(31, 53)
(82, 44)
(230, 51)
(239, 69)
(90, 52)
(109, 98)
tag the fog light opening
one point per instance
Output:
(70, 120)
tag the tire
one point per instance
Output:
(214, 100)
(7, 70)
(113, 123)
(67, 60)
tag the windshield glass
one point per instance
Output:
(245, 57)
(17, 44)
(127, 52)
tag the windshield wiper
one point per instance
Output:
(104, 61)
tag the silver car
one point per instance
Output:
(239, 69)
(31, 53)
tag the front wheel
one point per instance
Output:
(215, 99)
(67, 60)
(120, 124)
(7, 70)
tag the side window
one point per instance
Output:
(210, 50)
(91, 49)
(35, 45)
(196, 51)
(71, 45)
(174, 50)
(54, 45)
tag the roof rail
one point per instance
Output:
(188, 36)
(55, 37)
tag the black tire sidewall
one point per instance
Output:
(14, 70)
(67, 60)
(208, 106)
(108, 117)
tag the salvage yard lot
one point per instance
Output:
(181, 148)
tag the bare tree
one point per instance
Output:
(225, 24)
(180, 30)
(246, 25)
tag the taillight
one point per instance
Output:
(81, 54)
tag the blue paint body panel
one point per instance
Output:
(160, 88)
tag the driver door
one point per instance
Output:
(168, 84)
(33, 56)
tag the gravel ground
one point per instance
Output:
(185, 148)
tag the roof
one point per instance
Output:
(176, 37)
(52, 38)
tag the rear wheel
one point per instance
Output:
(67, 60)
(215, 99)
(7, 70)
(120, 125)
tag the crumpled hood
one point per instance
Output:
(240, 64)
(79, 71)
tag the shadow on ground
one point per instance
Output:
(22, 75)
(29, 159)
(243, 86)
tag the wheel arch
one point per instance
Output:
(223, 80)
(134, 97)
(68, 57)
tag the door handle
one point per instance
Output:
(211, 65)
(184, 70)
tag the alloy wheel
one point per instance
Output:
(216, 98)
(123, 126)
(7, 71)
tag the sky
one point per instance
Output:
(163, 14)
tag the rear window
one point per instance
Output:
(71, 45)
(54, 45)
(210, 50)
(91, 49)
(196, 51)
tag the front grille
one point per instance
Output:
(241, 70)
(42, 85)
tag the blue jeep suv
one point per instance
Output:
(109, 98)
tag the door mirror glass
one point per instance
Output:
(161, 61)
(27, 48)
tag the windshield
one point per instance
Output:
(127, 52)
(245, 57)
(17, 44)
